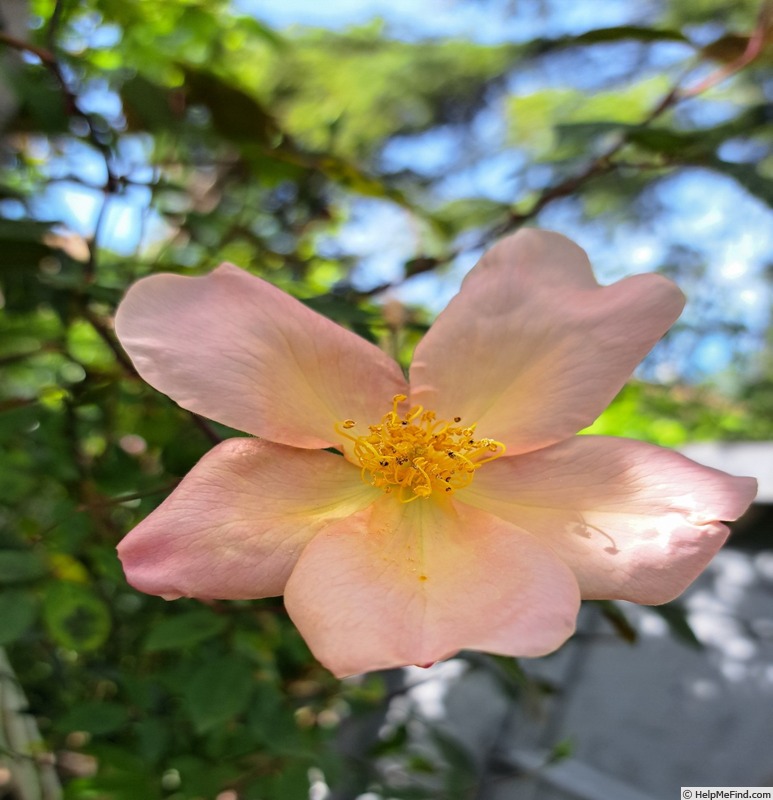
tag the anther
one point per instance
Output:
(412, 454)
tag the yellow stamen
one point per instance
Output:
(416, 454)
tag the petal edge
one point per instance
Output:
(234, 348)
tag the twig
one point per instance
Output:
(754, 48)
(46, 56)
(17, 402)
(107, 337)
(605, 162)
(53, 24)
(92, 505)
(72, 107)
(90, 267)
(50, 61)
(204, 426)
(126, 498)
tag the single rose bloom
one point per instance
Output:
(461, 510)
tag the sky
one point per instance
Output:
(485, 22)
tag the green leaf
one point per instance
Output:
(627, 32)
(291, 782)
(184, 630)
(179, 456)
(122, 775)
(578, 134)
(18, 566)
(668, 142)
(147, 106)
(748, 177)
(17, 613)
(700, 145)
(676, 619)
(391, 742)
(200, 777)
(509, 673)
(75, 617)
(561, 750)
(95, 717)
(25, 245)
(153, 738)
(618, 620)
(236, 115)
(42, 106)
(217, 691)
(460, 765)
(87, 347)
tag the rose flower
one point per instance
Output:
(461, 510)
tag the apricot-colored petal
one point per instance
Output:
(532, 348)
(238, 521)
(415, 583)
(633, 521)
(231, 347)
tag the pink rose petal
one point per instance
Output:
(238, 521)
(633, 521)
(231, 347)
(414, 583)
(532, 348)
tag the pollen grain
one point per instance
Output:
(415, 454)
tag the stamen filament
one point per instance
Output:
(418, 453)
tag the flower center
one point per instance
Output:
(416, 454)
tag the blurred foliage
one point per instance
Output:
(212, 137)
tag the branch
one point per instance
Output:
(46, 56)
(72, 107)
(604, 163)
(53, 24)
(754, 48)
